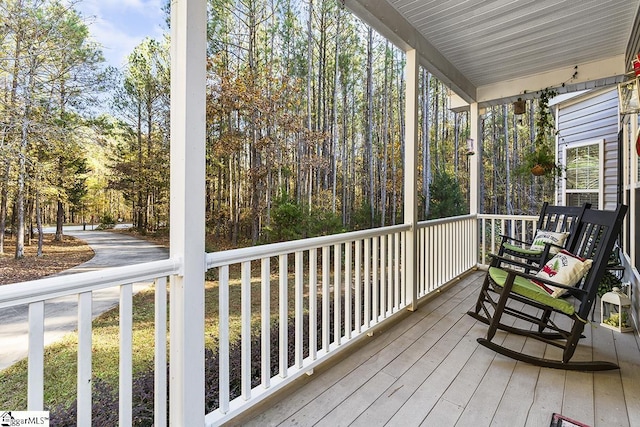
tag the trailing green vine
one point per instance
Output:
(542, 159)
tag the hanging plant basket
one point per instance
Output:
(538, 170)
(519, 107)
(541, 161)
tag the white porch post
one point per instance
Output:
(632, 191)
(188, 68)
(410, 170)
(474, 161)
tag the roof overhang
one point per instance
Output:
(496, 51)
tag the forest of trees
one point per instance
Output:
(305, 128)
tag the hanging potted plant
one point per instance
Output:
(519, 107)
(542, 159)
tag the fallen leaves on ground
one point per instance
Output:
(56, 257)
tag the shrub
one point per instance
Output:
(446, 197)
(322, 222)
(608, 282)
(107, 221)
(286, 220)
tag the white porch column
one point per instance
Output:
(410, 171)
(188, 72)
(631, 213)
(474, 161)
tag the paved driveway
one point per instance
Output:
(111, 250)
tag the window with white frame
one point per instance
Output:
(583, 183)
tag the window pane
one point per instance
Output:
(577, 199)
(583, 168)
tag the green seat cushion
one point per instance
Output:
(520, 250)
(532, 291)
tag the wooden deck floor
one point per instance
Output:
(427, 369)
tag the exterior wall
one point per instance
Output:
(590, 118)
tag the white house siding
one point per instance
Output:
(593, 117)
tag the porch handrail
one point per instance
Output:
(491, 226)
(508, 217)
(73, 284)
(447, 220)
(252, 253)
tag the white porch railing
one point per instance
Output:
(83, 285)
(342, 285)
(318, 295)
(446, 248)
(491, 227)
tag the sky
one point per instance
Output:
(120, 25)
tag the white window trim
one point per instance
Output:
(600, 143)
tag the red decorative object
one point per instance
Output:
(638, 144)
(636, 65)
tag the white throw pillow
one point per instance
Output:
(542, 237)
(564, 268)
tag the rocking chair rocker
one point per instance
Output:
(507, 294)
(556, 225)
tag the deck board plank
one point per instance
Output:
(482, 407)
(341, 381)
(453, 348)
(430, 390)
(578, 397)
(547, 397)
(431, 327)
(609, 407)
(627, 350)
(427, 369)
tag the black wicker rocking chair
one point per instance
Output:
(507, 294)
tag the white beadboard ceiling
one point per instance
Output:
(499, 49)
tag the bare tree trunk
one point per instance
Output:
(456, 144)
(59, 221)
(517, 200)
(334, 114)
(232, 206)
(393, 152)
(401, 111)
(507, 158)
(445, 120)
(369, 130)
(22, 172)
(436, 127)
(480, 151)
(22, 167)
(305, 171)
(352, 174)
(140, 226)
(345, 158)
(39, 223)
(385, 137)
(494, 177)
(3, 203)
(532, 137)
(426, 142)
